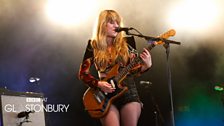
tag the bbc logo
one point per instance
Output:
(33, 99)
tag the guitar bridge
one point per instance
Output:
(112, 84)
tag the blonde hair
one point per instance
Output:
(119, 48)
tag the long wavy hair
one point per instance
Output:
(102, 56)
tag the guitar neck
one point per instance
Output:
(132, 64)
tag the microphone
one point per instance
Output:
(126, 29)
(145, 82)
(24, 114)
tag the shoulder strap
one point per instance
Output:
(132, 50)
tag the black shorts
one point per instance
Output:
(130, 96)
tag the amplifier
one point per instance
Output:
(22, 108)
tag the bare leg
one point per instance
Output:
(112, 118)
(130, 114)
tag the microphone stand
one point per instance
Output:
(159, 120)
(167, 47)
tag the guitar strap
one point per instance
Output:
(132, 50)
(131, 45)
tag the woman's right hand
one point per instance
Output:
(106, 87)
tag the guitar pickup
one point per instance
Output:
(99, 96)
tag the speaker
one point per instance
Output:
(22, 108)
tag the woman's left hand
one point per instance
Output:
(146, 58)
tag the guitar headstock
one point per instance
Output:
(166, 35)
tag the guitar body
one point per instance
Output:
(96, 102)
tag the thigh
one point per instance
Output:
(130, 113)
(112, 118)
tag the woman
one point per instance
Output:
(106, 49)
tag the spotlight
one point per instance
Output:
(194, 15)
(34, 79)
(70, 12)
(218, 88)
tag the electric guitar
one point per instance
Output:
(96, 102)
